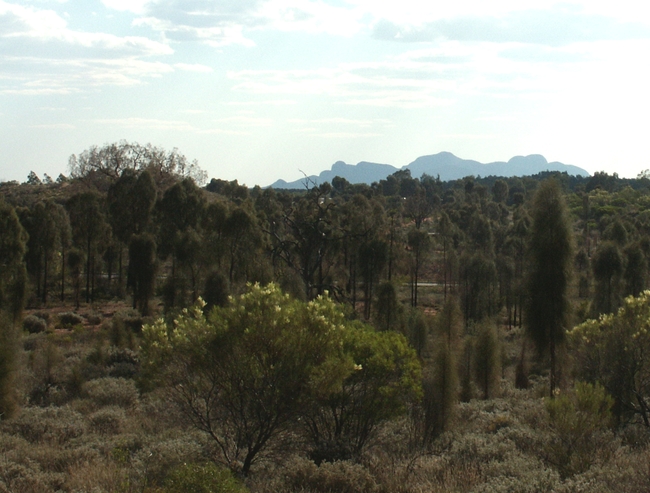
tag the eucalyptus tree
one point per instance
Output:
(179, 212)
(101, 166)
(142, 270)
(47, 226)
(89, 231)
(551, 255)
(131, 199)
(419, 244)
(306, 235)
(608, 266)
(13, 241)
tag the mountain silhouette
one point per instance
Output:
(444, 164)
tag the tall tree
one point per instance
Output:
(142, 270)
(608, 267)
(551, 247)
(419, 243)
(89, 228)
(13, 239)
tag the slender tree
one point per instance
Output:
(13, 239)
(551, 246)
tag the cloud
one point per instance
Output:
(246, 121)
(151, 123)
(28, 30)
(193, 67)
(230, 22)
(551, 27)
(41, 76)
(41, 55)
(54, 126)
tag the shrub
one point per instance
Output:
(107, 421)
(56, 425)
(44, 315)
(162, 457)
(579, 422)
(34, 324)
(206, 478)
(112, 391)
(122, 362)
(70, 319)
(93, 318)
(341, 477)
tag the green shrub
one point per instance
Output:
(580, 421)
(112, 391)
(206, 478)
(34, 324)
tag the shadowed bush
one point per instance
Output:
(34, 324)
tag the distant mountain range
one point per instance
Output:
(443, 164)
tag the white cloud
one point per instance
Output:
(193, 67)
(41, 55)
(135, 6)
(54, 126)
(246, 121)
(30, 25)
(151, 123)
(309, 16)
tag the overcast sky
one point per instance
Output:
(257, 90)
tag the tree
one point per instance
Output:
(614, 351)
(478, 286)
(636, 267)
(102, 166)
(440, 382)
(385, 380)
(245, 372)
(388, 309)
(48, 227)
(130, 201)
(142, 270)
(608, 267)
(487, 359)
(551, 246)
(500, 191)
(13, 239)
(179, 213)
(419, 243)
(89, 228)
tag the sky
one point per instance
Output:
(257, 90)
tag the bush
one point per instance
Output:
(107, 421)
(112, 391)
(93, 318)
(206, 478)
(580, 422)
(341, 477)
(161, 457)
(122, 362)
(70, 319)
(34, 324)
(56, 425)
